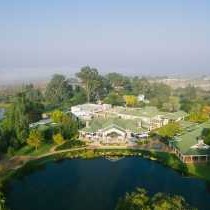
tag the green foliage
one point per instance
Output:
(114, 99)
(79, 96)
(130, 100)
(140, 199)
(134, 201)
(26, 108)
(35, 138)
(198, 117)
(68, 125)
(57, 116)
(206, 135)
(141, 86)
(58, 90)
(91, 81)
(188, 93)
(159, 94)
(162, 201)
(116, 79)
(47, 132)
(70, 144)
(2, 202)
(172, 105)
(169, 130)
(58, 139)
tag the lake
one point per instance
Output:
(98, 183)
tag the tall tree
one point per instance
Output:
(172, 105)
(35, 138)
(141, 86)
(159, 94)
(15, 125)
(58, 89)
(117, 80)
(91, 80)
(114, 99)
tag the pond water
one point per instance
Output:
(97, 184)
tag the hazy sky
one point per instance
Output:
(40, 37)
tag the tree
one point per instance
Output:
(32, 94)
(58, 89)
(198, 117)
(134, 201)
(141, 86)
(35, 138)
(58, 139)
(172, 105)
(2, 201)
(26, 108)
(130, 100)
(206, 110)
(163, 201)
(170, 130)
(79, 96)
(189, 93)
(206, 135)
(116, 80)
(91, 80)
(57, 116)
(114, 99)
(69, 127)
(140, 199)
(67, 124)
(159, 94)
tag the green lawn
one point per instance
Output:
(70, 144)
(5, 105)
(28, 150)
(200, 170)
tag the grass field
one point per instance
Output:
(27, 150)
(200, 170)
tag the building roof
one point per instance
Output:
(189, 138)
(102, 123)
(148, 111)
(175, 115)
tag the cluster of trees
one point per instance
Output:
(169, 130)
(206, 135)
(113, 87)
(141, 200)
(117, 89)
(26, 108)
(28, 103)
(196, 102)
(65, 129)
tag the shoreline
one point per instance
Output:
(166, 159)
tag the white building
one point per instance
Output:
(87, 111)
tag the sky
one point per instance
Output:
(136, 37)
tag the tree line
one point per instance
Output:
(28, 103)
